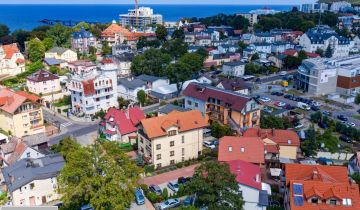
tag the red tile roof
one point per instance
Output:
(324, 182)
(290, 52)
(89, 88)
(184, 121)
(253, 149)
(234, 100)
(246, 173)
(113, 29)
(31, 97)
(312, 55)
(19, 150)
(19, 60)
(10, 101)
(42, 76)
(10, 50)
(281, 137)
(126, 121)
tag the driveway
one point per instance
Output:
(146, 206)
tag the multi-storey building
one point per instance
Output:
(61, 53)
(20, 114)
(314, 187)
(145, 16)
(12, 62)
(82, 40)
(224, 106)
(82, 66)
(253, 18)
(94, 91)
(33, 182)
(43, 83)
(236, 69)
(348, 77)
(322, 37)
(172, 138)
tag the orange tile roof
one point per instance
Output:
(10, 50)
(31, 97)
(323, 182)
(280, 137)
(10, 100)
(253, 149)
(185, 121)
(113, 29)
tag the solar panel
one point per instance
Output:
(298, 200)
(298, 189)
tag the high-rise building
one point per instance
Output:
(145, 16)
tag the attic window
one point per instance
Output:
(314, 200)
(332, 201)
(242, 149)
(172, 133)
(289, 141)
(230, 149)
(347, 202)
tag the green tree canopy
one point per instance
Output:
(178, 34)
(175, 48)
(48, 43)
(81, 25)
(215, 187)
(60, 34)
(178, 73)
(36, 50)
(21, 36)
(194, 60)
(161, 32)
(4, 30)
(141, 97)
(100, 175)
(219, 131)
(310, 145)
(270, 121)
(152, 62)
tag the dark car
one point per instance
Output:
(188, 201)
(358, 111)
(342, 118)
(322, 125)
(289, 107)
(345, 139)
(183, 180)
(156, 189)
(327, 113)
(315, 108)
(280, 94)
(287, 96)
(274, 93)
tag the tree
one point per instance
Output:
(255, 57)
(123, 103)
(320, 52)
(36, 50)
(356, 178)
(310, 145)
(141, 97)
(178, 73)
(4, 30)
(175, 48)
(60, 34)
(203, 53)
(251, 68)
(316, 117)
(100, 175)
(152, 62)
(215, 187)
(242, 46)
(330, 141)
(21, 37)
(219, 131)
(161, 32)
(48, 43)
(328, 52)
(302, 55)
(270, 121)
(194, 60)
(178, 34)
(357, 98)
(82, 25)
(106, 49)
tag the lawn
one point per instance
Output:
(356, 116)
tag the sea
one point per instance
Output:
(28, 16)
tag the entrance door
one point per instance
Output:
(43, 199)
(32, 201)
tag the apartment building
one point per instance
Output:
(82, 40)
(142, 17)
(224, 106)
(348, 76)
(33, 182)
(94, 91)
(20, 114)
(322, 37)
(43, 83)
(12, 62)
(60, 53)
(318, 187)
(236, 69)
(253, 18)
(172, 138)
(81, 66)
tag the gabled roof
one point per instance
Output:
(235, 101)
(234, 84)
(42, 76)
(170, 108)
(125, 120)
(131, 84)
(10, 101)
(18, 151)
(53, 61)
(28, 170)
(58, 50)
(113, 29)
(82, 34)
(10, 50)
(250, 149)
(281, 137)
(246, 173)
(149, 78)
(184, 121)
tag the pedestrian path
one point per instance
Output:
(67, 124)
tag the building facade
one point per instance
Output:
(81, 67)
(82, 40)
(145, 16)
(43, 83)
(61, 53)
(12, 62)
(236, 69)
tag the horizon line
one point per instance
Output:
(202, 4)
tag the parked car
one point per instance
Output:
(209, 144)
(183, 180)
(264, 99)
(289, 107)
(322, 125)
(86, 207)
(345, 139)
(358, 111)
(351, 124)
(139, 197)
(155, 189)
(170, 203)
(325, 161)
(315, 108)
(287, 96)
(342, 118)
(174, 186)
(279, 104)
(315, 103)
(298, 125)
(303, 106)
(282, 73)
(188, 201)
(327, 113)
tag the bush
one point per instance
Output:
(145, 188)
(149, 169)
(179, 165)
(153, 197)
(165, 194)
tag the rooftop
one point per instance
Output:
(125, 120)
(281, 137)
(42, 76)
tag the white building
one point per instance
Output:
(252, 17)
(338, 6)
(236, 68)
(322, 37)
(94, 91)
(43, 83)
(153, 82)
(61, 53)
(145, 16)
(129, 87)
(81, 66)
(33, 182)
(12, 62)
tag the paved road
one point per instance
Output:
(273, 78)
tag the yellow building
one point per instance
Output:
(20, 113)
(61, 53)
(172, 138)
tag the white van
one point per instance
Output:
(303, 106)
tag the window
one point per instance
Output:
(189, 103)
(254, 114)
(230, 149)
(172, 153)
(347, 202)
(158, 157)
(172, 133)
(253, 106)
(172, 143)
(289, 141)
(182, 139)
(32, 185)
(196, 105)
(332, 201)
(242, 149)
(172, 162)
(314, 200)
(141, 140)
(158, 146)
(183, 151)
(28, 154)
(158, 165)
(183, 159)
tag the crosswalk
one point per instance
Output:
(67, 124)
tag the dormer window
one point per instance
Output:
(242, 149)
(230, 149)
(314, 200)
(289, 141)
(347, 202)
(333, 201)
(172, 133)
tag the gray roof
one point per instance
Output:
(58, 50)
(234, 63)
(149, 78)
(53, 61)
(82, 34)
(170, 107)
(131, 84)
(27, 170)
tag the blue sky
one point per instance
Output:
(263, 2)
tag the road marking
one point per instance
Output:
(66, 124)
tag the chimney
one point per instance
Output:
(257, 178)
